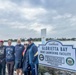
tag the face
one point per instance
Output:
(30, 42)
(18, 41)
(9, 42)
(1, 43)
(25, 45)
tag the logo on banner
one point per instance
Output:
(70, 61)
(41, 57)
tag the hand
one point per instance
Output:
(1, 61)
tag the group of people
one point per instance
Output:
(21, 58)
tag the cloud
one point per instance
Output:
(25, 18)
(62, 16)
(31, 13)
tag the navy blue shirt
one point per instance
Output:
(10, 53)
(2, 52)
(32, 51)
(19, 48)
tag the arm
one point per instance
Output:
(14, 52)
(4, 53)
(14, 49)
(35, 52)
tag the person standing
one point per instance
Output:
(2, 58)
(19, 48)
(33, 57)
(10, 57)
(25, 48)
(26, 67)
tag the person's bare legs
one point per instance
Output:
(20, 70)
(17, 72)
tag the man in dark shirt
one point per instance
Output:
(33, 57)
(2, 58)
(19, 48)
(10, 57)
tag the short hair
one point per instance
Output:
(30, 39)
(9, 39)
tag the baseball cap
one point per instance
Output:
(1, 41)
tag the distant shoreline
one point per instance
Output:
(40, 41)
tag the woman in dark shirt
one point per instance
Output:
(10, 58)
(26, 67)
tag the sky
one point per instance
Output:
(26, 18)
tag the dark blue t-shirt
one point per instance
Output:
(2, 52)
(19, 48)
(10, 53)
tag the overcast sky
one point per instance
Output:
(25, 18)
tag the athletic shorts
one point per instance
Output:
(18, 65)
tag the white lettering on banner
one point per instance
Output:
(56, 55)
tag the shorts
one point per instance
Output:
(18, 65)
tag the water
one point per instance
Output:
(37, 43)
(69, 43)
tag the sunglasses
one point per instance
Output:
(25, 44)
